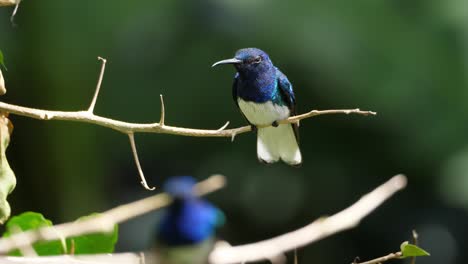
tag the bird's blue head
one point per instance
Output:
(249, 60)
(180, 186)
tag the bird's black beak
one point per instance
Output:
(228, 61)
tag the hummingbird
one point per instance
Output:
(265, 96)
(186, 232)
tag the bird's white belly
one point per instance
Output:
(263, 113)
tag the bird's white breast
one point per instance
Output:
(263, 113)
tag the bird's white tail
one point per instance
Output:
(274, 143)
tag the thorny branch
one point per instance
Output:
(104, 222)
(130, 129)
(137, 161)
(319, 229)
(126, 127)
(388, 257)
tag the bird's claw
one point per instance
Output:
(275, 124)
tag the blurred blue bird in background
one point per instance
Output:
(186, 233)
(265, 96)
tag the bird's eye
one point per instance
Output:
(258, 59)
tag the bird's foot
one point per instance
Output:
(275, 124)
(254, 128)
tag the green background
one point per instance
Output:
(407, 60)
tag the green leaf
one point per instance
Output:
(93, 243)
(7, 176)
(29, 221)
(98, 243)
(2, 62)
(410, 250)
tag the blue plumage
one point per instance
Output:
(265, 95)
(189, 219)
(186, 232)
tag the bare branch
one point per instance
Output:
(137, 162)
(98, 86)
(313, 113)
(163, 111)
(125, 127)
(321, 228)
(381, 259)
(104, 222)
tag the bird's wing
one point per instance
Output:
(235, 96)
(287, 94)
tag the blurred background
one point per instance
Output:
(406, 60)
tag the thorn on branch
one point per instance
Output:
(163, 111)
(415, 237)
(415, 242)
(223, 127)
(233, 136)
(12, 18)
(98, 86)
(137, 162)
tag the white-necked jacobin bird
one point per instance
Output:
(186, 233)
(265, 96)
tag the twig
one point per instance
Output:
(104, 222)
(313, 113)
(137, 162)
(382, 259)
(12, 17)
(321, 228)
(126, 127)
(415, 242)
(98, 85)
(163, 111)
(391, 255)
